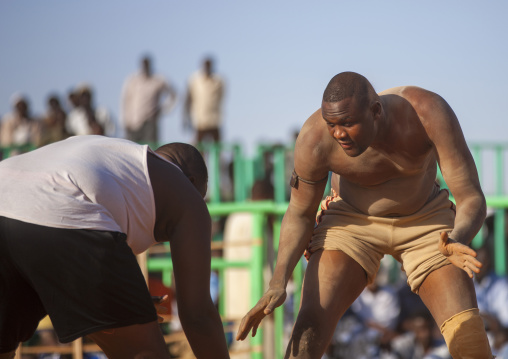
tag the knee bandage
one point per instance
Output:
(465, 336)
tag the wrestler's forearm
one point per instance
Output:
(469, 218)
(296, 232)
(205, 333)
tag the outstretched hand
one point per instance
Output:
(459, 255)
(265, 306)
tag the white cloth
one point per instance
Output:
(238, 228)
(84, 182)
(77, 122)
(237, 281)
(492, 296)
(140, 99)
(206, 100)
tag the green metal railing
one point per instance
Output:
(6, 152)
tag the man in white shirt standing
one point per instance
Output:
(142, 103)
(203, 103)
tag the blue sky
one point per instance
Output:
(276, 56)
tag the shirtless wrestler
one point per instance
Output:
(383, 150)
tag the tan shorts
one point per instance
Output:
(411, 240)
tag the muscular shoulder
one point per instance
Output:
(432, 109)
(313, 148)
(174, 196)
(423, 101)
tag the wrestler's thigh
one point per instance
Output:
(134, 341)
(446, 292)
(333, 280)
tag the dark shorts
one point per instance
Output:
(85, 280)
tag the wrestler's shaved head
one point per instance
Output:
(346, 85)
(189, 160)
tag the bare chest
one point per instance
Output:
(375, 167)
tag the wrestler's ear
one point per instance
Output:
(376, 109)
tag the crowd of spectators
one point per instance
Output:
(20, 128)
(145, 96)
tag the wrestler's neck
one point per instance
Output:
(383, 126)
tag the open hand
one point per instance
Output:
(160, 308)
(459, 255)
(266, 305)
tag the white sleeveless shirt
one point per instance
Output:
(84, 182)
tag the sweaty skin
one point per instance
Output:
(383, 157)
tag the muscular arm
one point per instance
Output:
(297, 227)
(311, 163)
(190, 249)
(183, 219)
(459, 173)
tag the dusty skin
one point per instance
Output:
(383, 157)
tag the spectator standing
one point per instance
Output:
(86, 119)
(73, 99)
(203, 103)
(18, 127)
(53, 124)
(142, 104)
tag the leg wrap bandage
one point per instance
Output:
(465, 336)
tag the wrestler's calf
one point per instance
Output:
(465, 336)
(306, 343)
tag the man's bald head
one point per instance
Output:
(347, 85)
(189, 160)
